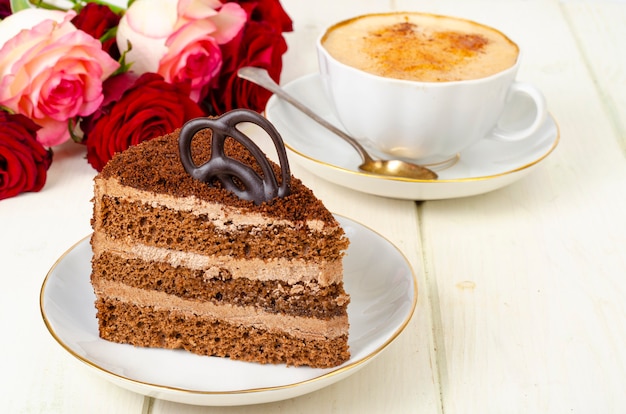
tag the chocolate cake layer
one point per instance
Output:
(162, 328)
(155, 225)
(131, 315)
(217, 285)
(290, 271)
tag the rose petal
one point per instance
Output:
(229, 22)
(151, 18)
(26, 19)
(197, 9)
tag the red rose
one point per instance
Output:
(5, 8)
(268, 11)
(150, 108)
(97, 20)
(24, 162)
(260, 44)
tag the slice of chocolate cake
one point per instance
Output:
(240, 265)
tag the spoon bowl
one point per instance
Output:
(391, 168)
(397, 168)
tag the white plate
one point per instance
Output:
(486, 166)
(378, 277)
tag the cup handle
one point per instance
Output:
(533, 94)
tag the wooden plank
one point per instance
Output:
(527, 282)
(598, 28)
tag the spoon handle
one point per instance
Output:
(262, 78)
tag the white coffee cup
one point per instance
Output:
(430, 121)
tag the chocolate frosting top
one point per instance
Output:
(156, 166)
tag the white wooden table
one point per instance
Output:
(522, 291)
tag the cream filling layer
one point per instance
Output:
(299, 327)
(288, 271)
(223, 217)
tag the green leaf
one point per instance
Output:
(75, 132)
(17, 5)
(7, 109)
(110, 34)
(124, 67)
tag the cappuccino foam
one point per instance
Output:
(420, 47)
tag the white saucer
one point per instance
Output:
(486, 166)
(383, 291)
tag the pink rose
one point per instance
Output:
(192, 57)
(50, 71)
(179, 39)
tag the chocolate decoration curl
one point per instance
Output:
(225, 169)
